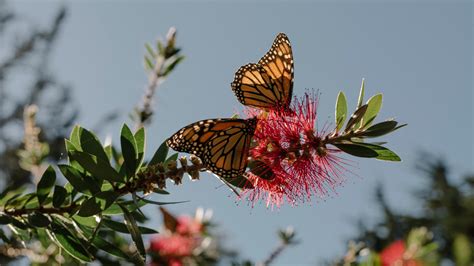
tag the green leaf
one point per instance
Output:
(161, 191)
(148, 63)
(173, 157)
(38, 219)
(160, 154)
(59, 196)
(380, 129)
(69, 243)
(373, 107)
(109, 152)
(5, 219)
(90, 221)
(77, 181)
(70, 147)
(356, 117)
(341, 110)
(45, 184)
(134, 231)
(129, 150)
(160, 47)
(383, 153)
(97, 167)
(91, 144)
(356, 150)
(115, 209)
(140, 140)
(102, 244)
(75, 138)
(19, 224)
(149, 49)
(172, 65)
(21, 200)
(462, 250)
(160, 203)
(89, 207)
(100, 202)
(122, 228)
(361, 94)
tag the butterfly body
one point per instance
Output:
(222, 143)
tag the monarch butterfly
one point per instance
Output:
(268, 83)
(222, 144)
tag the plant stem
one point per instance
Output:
(338, 138)
(140, 184)
(19, 212)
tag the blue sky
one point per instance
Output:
(419, 55)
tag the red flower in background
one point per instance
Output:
(173, 247)
(289, 158)
(394, 255)
(188, 226)
(181, 240)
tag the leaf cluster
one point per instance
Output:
(103, 194)
(351, 138)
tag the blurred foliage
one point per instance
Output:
(447, 217)
(26, 79)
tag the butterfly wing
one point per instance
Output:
(222, 144)
(269, 83)
(253, 86)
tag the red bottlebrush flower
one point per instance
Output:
(394, 255)
(293, 161)
(188, 226)
(173, 248)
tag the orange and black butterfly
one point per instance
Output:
(268, 83)
(222, 144)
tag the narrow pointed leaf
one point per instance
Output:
(356, 150)
(134, 231)
(110, 248)
(71, 147)
(161, 191)
(373, 108)
(74, 137)
(361, 94)
(380, 129)
(59, 196)
(161, 203)
(341, 110)
(76, 180)
(108, 151)
(356, 117)
(69, 243)
(100, 202)
(97, 167)
(383, 153)
(38, 219)
(122, 228)
(45, 184)
(129, 150)
(5, 219)
(140, 140)
(149, 49)
(91, 144)
(148, 63)
(115, 209)
(173, 157)
(160, 154)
